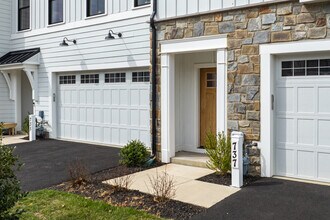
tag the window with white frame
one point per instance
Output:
(312, 67)
(138, 3)
(115, 77)
(70, 79)
(95, 7)
(140, 77)
(90, 78)
(23, 15)
(55, 11)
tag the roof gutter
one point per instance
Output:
(153, 76)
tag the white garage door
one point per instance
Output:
(109, 108)
(303, 119)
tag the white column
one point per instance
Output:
(167, 107)
(221, 90)
(266, 122)
(52, 103)
(16, 87)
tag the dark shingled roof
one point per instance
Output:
(19, 56)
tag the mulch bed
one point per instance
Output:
(226, 180)
(96, 190)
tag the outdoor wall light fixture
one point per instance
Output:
(111, 33)
(65, 40)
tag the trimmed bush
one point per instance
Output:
(218, 149)
(10, 190)
(134, 154)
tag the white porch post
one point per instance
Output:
(221, 90)
(167, 107)
(16, 87)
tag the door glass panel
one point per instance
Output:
(211, 80)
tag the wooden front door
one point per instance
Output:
(208, 87)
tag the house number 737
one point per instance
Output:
(234, 155)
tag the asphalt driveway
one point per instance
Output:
(274, 199)
(46, 162)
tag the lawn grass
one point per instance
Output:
(50, 204)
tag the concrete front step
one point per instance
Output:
(190, 159)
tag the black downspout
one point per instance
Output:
(153, 76)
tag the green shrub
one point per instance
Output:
(218, 148)
(10, 190)
(134, 154)
(25, 127)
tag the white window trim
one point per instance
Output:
(95, 16)
(64, 15)
(26, 30)
(169, 49)
(267, 75)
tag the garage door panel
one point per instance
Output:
(323, 133)
(144, 98)
(285, 130)
(324, 100)
(305, 132)
(285, 161)
(144, 118)
(285, 104)
(115, 97)
(135, 97)
(305, 164)
(306, 100)
(324, 166)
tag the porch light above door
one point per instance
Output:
(65, 40)
(111, 33)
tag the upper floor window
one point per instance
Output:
(138, 3)
(55, 11)
(23, 15)
(95, 7)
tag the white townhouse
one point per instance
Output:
(261, 67)
(85, 63)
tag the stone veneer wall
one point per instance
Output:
(246, 30)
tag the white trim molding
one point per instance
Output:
(268, 55)
(169, 49)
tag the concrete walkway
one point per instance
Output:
(188, 189)
(16, 139)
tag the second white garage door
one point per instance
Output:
(109, 108)
(303, 119)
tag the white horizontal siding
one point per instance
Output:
(176, 8)
(91, 53)
(74, 10)
(5, 25)
(7, 113)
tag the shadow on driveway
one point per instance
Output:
(271, 198)
(46, 162)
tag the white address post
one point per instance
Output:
(32, 127)
(237, 139)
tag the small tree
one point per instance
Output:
(10, 190)
(218, 149)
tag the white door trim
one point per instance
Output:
(268, 61)
(169, 49)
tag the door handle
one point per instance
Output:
(273, 102)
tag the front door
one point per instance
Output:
(208, 87)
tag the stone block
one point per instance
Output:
(232, 125)
(234, 97)
(282, 36)
(261, 37)
(268, 18)
(226, 27)
(305, 18)
(290, 20)
(317, 33)
(254, 24)
(250, 80)
(253, 115)
(250, 49)
(284, 9)
(198, 29)
(243, 59)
